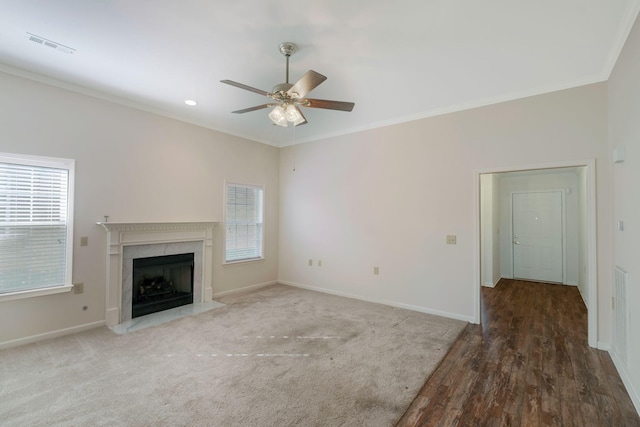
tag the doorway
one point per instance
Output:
(494, 227)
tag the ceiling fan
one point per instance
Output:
(287, 97)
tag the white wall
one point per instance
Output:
(489, 230)
(132, 166)
(541, 181)
(624, 131)
(388, 197)
(486, 229)
(495, 228)
(582, 236)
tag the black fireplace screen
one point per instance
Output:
(161, 283)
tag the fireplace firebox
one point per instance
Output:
(161, 283)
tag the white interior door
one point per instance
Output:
(537, 236)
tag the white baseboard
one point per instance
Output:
(52, 334)
(379, 301)
(492, 284)
(244, 289)
(112, 316)
(582, 295)
(624, 375)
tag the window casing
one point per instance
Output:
(244, 222)
(36, 225)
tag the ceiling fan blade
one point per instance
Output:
(329, 105)
(306, 84)
(245, 87)
(257, 107)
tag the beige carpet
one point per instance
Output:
(279, 356)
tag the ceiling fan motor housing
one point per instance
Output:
(282, 87)
(288, 48)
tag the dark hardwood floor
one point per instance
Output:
(527, 365)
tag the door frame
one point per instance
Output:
(592, 258)
(563, 220)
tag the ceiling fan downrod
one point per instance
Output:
(287, 49)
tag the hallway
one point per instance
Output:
(528, 364)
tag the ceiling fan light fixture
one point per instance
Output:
(300, 121)
(292, 113)
(278, 116)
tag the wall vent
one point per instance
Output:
(621, 314)
(49, 43)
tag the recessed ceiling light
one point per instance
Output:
(190, 102)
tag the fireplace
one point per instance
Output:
(161, 282)
(127, 241)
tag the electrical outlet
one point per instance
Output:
(78, 288)
(84, 241)
(451, 239)
(310, 263)
(376, 270)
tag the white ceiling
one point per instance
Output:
(397, 61)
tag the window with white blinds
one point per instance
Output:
(35, 229)
(244, 218)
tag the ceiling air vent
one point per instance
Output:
(35, 39)
(50, 43)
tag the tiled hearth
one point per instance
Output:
(127, 241)
(164, 316)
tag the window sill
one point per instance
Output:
(242, 261)
(9, 296)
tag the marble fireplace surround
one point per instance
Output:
(128, 240)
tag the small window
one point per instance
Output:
(36, 208)
(244, 218)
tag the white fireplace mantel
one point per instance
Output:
(121, 234)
